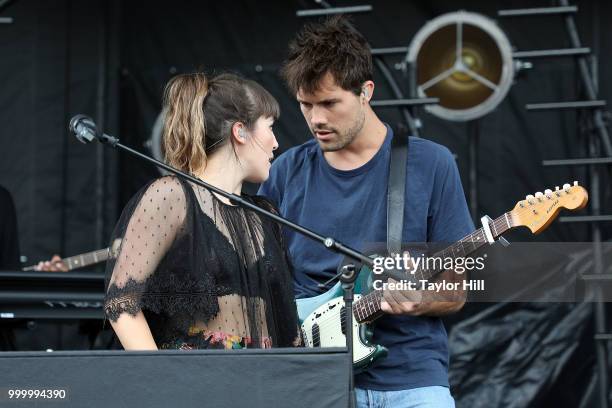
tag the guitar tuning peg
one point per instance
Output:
(548, 193)
(556, 188)
(575, 183)
(529, 199)
(566, 187)
(539, 195)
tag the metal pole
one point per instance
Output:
(410, 121)
(473, 134)
(91, 131)
(599, 309)
(588, 82)
(590, 85)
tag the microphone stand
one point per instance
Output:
(348, 277)
(86, 130)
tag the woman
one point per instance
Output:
(193, 270)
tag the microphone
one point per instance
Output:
(86, 130)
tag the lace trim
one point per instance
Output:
(170, 296)
(113, 308)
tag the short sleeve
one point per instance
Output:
(448, 218)
(149, 225)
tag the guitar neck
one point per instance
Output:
(368, 308)
(86, 259)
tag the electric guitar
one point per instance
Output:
(322, 317)
(86, 259)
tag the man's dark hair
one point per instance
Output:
(333, 46)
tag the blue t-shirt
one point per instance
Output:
(351, 206)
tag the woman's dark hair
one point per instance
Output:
(332, 45)
(200, 113)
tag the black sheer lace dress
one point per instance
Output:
(206, 274)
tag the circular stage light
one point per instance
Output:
(465, 60)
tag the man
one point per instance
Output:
(336, 184)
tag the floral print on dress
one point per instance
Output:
(215, 340)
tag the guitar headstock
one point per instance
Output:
(537, 211)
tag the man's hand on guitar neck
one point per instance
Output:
(425, 302)
(421, 302)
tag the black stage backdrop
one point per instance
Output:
(111, 59)
(58, 58)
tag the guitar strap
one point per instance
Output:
(396, 189)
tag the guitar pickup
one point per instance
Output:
(316, 335)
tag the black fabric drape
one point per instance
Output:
(9, 239)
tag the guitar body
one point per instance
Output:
(322, 320)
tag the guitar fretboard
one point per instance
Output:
(86, 259)
(367, 308)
